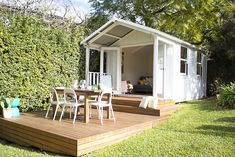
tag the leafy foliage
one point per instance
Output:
(222, 58)
(226, 97)
(192, 20)
(35, 56)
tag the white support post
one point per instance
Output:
(155, 65)
(87, 65)
(101, 62)
(119, 67)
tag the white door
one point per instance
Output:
(113, 66)
(160, 80)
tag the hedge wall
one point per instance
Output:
(35, 56)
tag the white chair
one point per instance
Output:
(100, 104)
(71, 100)
(54, 100)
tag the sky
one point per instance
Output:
(77, 9)
(82, 4)
(81, 7)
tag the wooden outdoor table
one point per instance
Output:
(86, 93)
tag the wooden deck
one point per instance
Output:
(32, 129)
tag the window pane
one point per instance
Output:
(183, 52)
(182, 66)
(199, 56)
(199, 69)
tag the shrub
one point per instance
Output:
(35, 56)
(226, 98)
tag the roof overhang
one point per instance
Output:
(116, 29)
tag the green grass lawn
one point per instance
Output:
(196, 129)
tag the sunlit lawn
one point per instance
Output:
(196, 129)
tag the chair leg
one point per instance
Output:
(62, 113)
(101, 116)
(114, 119)
(75, 114)
(70, 113)
(57, 106)
(48, 110)
(98, 110)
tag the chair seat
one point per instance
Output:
(101, 104)
(60, 102)
(73, 104)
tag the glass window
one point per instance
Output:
(183, 61)
(183, 53)
(199, 63)
(182, 67)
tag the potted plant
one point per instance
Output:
(6, 108)
(9, 107)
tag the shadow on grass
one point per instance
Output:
(208, 130)
(217, 128)
(209, 105)
(28, 149)
(226, 119)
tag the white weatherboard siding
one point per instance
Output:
(191, 86)
(204, 74)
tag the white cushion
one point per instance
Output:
(144, 102)
(153, 102)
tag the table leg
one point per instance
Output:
(108, 113)
(86, 110)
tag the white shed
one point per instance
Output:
(175, 69)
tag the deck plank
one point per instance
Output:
(33, 129)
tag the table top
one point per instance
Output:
(79, 90)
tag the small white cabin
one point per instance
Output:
(174, 69)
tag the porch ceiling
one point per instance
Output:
(107, 38)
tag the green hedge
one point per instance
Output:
(35, 56)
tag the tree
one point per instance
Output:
(191, 20)
(222, 48)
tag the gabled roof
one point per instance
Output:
(116, 29)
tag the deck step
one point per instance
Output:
(160, 111)
(136, 102)
(137, 110)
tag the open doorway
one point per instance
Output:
(137, 67)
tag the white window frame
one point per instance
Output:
(199, 63)
(184, 60)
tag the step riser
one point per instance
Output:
(137, 103)
(131, 105)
